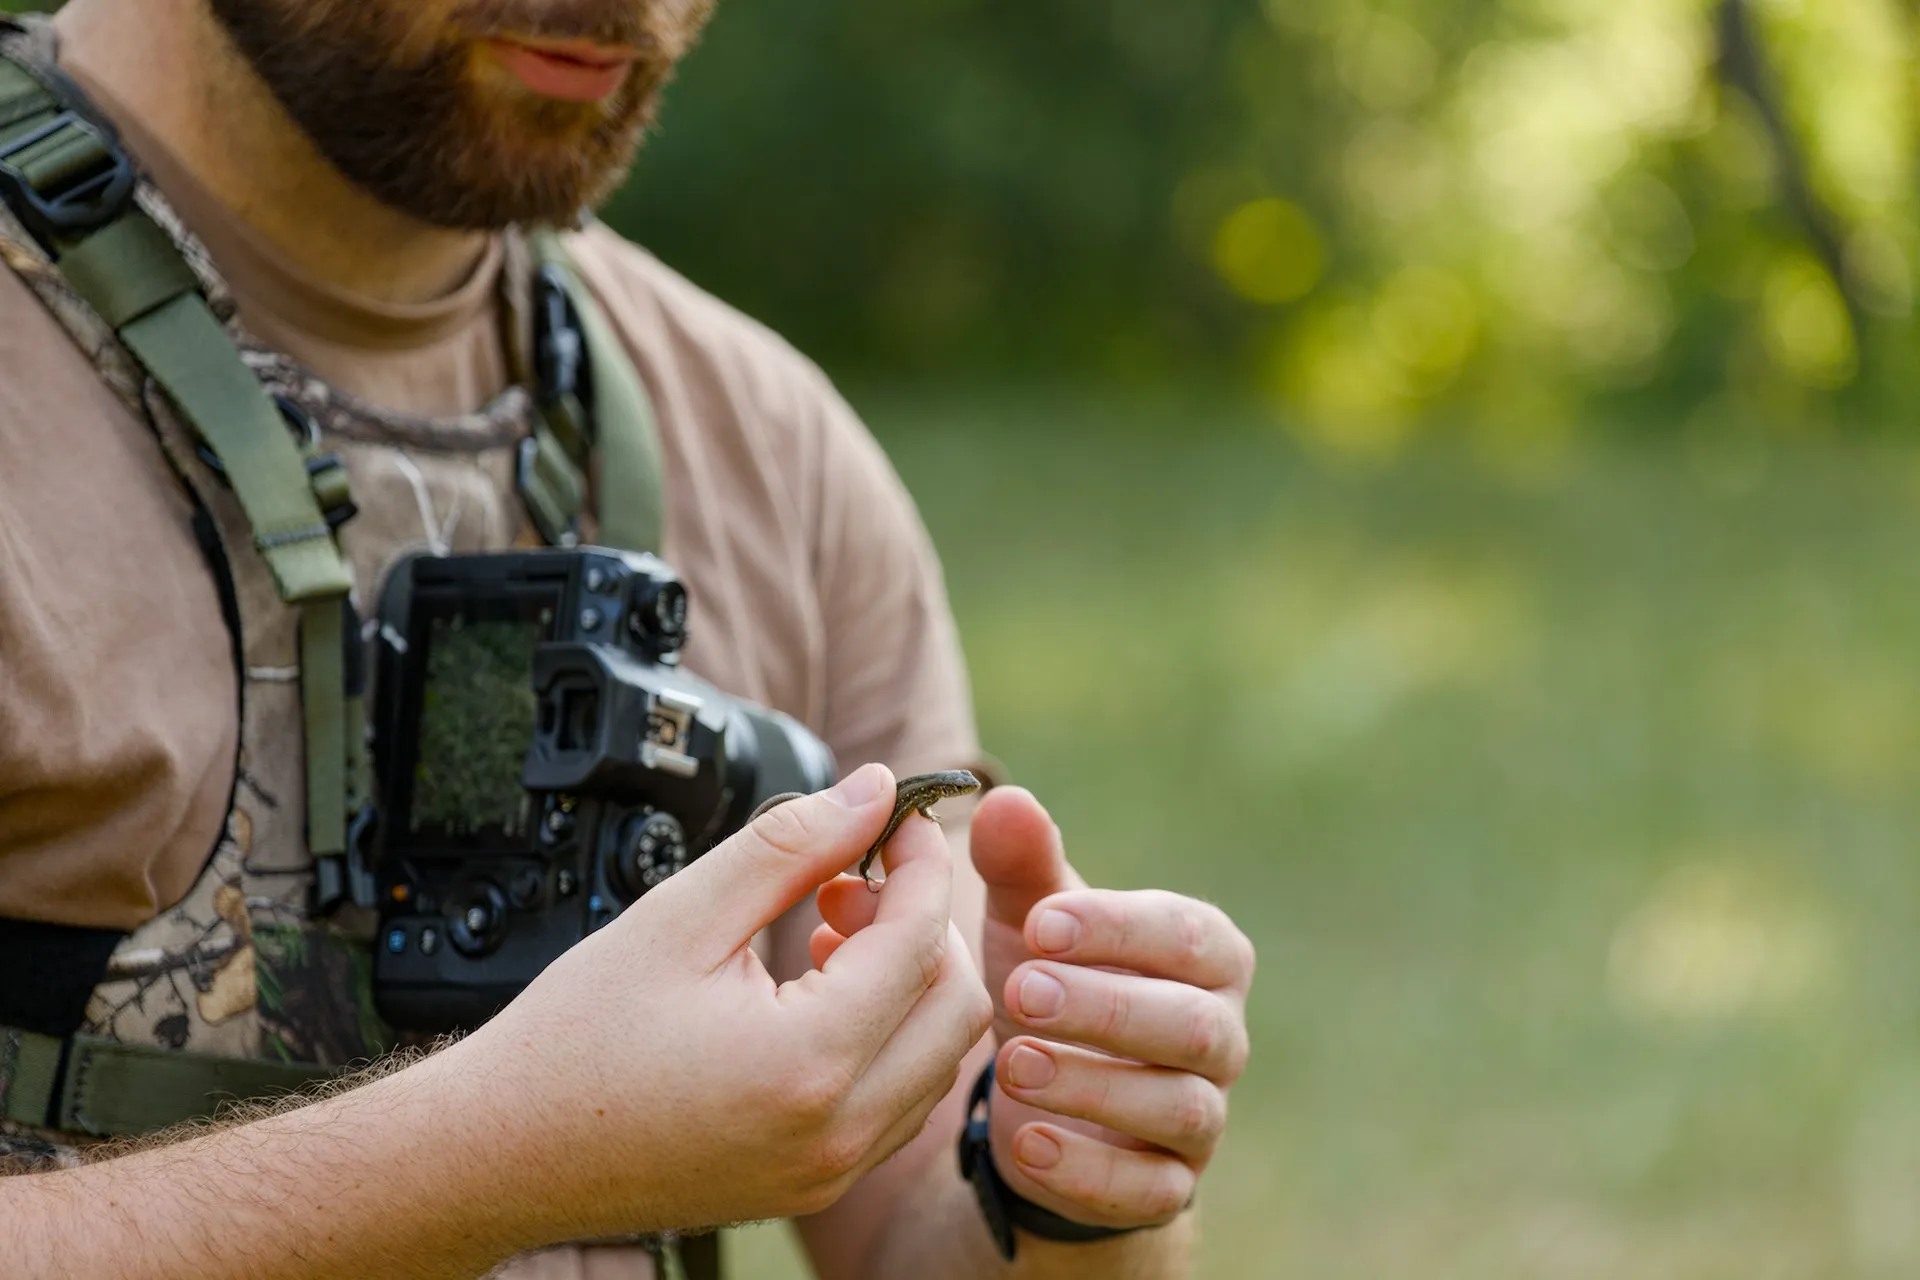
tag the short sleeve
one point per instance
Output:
(896, 681)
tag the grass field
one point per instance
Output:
(1571, 803)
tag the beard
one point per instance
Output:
(399, 96)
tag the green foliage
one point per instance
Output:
(1377, 215)
(1505, 210)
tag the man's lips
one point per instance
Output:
(574, 70)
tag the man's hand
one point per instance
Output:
(657, 1077)
(1121, 1021)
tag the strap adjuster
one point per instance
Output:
(65, 178)
(559, 346)
(331, 489)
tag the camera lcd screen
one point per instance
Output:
(476, 721)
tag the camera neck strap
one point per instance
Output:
(66, 178)
(597, 442)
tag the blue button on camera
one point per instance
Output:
(396, 940)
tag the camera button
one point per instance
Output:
(476, 921)
(396, 940)
(565, 882)
(429, 941)
(526, 888)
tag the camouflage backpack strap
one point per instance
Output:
(593, 409)
(65, 177)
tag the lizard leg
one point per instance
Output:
(866, 863)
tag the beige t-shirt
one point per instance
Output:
(815, 589)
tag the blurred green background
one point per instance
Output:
(1433, 477)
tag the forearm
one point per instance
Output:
(938, 1233)
(374, 1181)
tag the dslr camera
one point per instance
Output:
(543, 761)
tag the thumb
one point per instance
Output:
(1018, 851)
(743, 884)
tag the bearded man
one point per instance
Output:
(351, 181)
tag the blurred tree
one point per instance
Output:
(1380, 213)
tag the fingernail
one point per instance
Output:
(1057, 931)
(1041, 995)
(860, 788)
(1028, 1068)
(1036, 1149)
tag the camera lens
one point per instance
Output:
(652, 848)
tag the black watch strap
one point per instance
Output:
(1003, 1207)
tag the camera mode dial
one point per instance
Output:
(652, 847)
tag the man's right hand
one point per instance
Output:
(656, 1077)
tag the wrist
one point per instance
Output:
(1009, 1214)
(481, 1138)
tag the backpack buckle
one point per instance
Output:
(559, 345)
(65, 178)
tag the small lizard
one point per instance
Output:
(915, 794)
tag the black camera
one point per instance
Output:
(543, 761)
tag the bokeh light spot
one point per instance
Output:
(1718, 939)
(1269, 251)
(1807, 330)
(1427, 320)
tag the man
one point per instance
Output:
(349, 170)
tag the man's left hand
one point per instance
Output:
(1121, 1020)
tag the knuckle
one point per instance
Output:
(838, 1156)
(1190, 934)
(1246, 959)
(1117, 1010)
(1200, 1115)
(1239, 1049)
(1101, 1100)
(1167, 1191)
(1191, 1116)
(818, 1197)
(930, 955)
(1204, 1035)
(813, 1095)
(1104, 1184)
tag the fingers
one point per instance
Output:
(1168, 1024)
(1097, 1183)
(1018, 851)
(1176, 1110)
(1162, 935)
(847, 904)
(822, 943)
(871, 982)
(923, 1056)
(714, 907)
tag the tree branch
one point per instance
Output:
(1743, 65)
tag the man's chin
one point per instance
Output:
(496, 184)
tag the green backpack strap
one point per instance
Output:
(72, 186)
(593, 405)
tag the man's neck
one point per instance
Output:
(168, 62)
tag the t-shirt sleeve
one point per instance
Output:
(896, 680)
